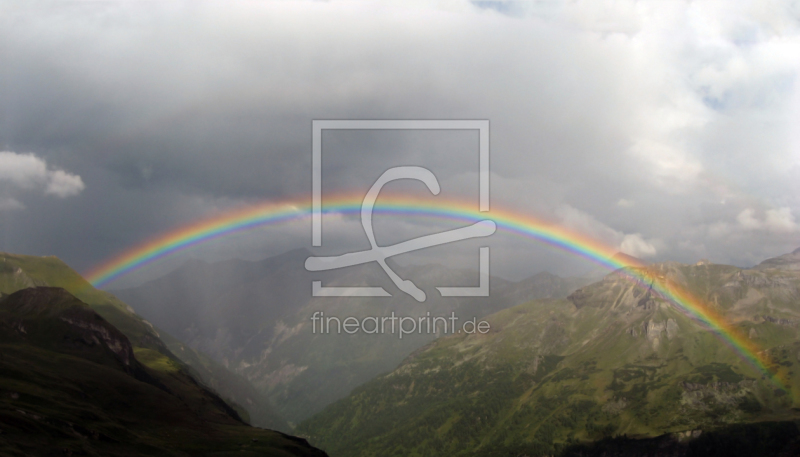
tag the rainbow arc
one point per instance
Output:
(507, 221)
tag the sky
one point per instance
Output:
(669, 130)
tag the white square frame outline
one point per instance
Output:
(317, 126)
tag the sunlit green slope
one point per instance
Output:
(21, 271)
(612, 360)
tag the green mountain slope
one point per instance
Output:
(73, 384)
(613, 359)
(20, 271)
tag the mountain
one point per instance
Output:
(255, 319)
(253, 406)
(613, 359)
(629, 260)
(789, 261)
(774, 439)
(20, 271)
(599, 272)
(73, 384)
(539, 286)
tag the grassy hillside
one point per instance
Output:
(611, 360)
(73, 384)
(20, 271)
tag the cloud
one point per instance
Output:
(8, 203)
(26, 172)
(671, 167)
(633, 244)
(63, 184)
(780, 220)
(747, 221)
(643, 114)
(585, 223)
(718, 230)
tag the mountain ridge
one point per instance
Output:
(73, 384)
(790, 261)
(610, 360)
(20, 271)
(257, 323)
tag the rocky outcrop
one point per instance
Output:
(654, 331)
(103, 335)
(717, 386)
(14, 277)
(780, 321)
(672, 329)
(34, 315)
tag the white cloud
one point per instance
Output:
(779, 220)
(672, 167)
(63, 184)
(747, 220)
(586, 224)
(26, 172)
(633, 244)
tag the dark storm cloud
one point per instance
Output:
(663, 130)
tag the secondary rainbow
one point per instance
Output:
(508, 221)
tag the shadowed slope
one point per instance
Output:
(71, 383)
(21, 271)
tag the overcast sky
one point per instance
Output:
(670, 130)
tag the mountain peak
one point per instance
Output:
(789, 261)
(41, 300)
(628, 260)
(52, 318)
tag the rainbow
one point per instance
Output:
(508, 221)
(271, 213)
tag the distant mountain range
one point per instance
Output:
(255, 319)
(789, 261)
(87, 376)
(569, 366)
(612, 359)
